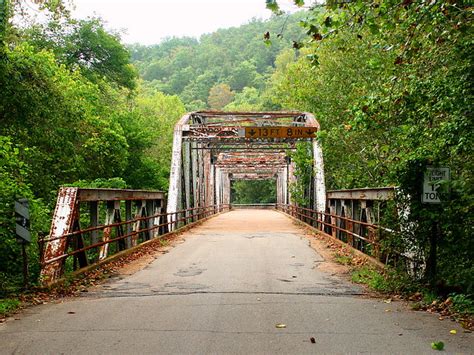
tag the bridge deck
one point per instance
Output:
(223, 291)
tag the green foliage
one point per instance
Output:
(273, 6)
(220, 95)
(14, 176)
(391, 85)
(235, 56)
(299, 3)
(343, 259)
(85, 44)
(243, 76)
(156, 114)
(247, 100)
(13, 173)
(7, 306)
(112, 183)
(3, 22)
(253, 191)
(390, 281)
(371, 278)
(43, 104)
(68, 116)
(303, 160)
(429, 297)
(463, 304)
(18, 9)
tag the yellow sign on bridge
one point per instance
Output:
(280, 132)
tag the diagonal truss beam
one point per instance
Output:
(213, 148)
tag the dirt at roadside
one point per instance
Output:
(126, 265)
(329, 249)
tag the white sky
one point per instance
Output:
(150, 21)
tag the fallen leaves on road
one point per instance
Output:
(453, 331)
(73, 287)
(444, 308)
(417, 296)
(312, 340)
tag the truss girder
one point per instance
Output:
(210, 150)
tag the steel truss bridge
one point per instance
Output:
(210, 150)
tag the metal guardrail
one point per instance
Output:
(353, 217)
(202, 212)
(96, 242)
(330, 224)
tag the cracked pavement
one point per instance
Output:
(223, 291)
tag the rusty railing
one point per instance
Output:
(353, 217)
(69, 246)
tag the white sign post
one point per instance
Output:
(431, 184)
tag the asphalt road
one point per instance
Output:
(224, 290)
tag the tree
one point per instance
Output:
(85, 44)
(243, 75)
(156, 115)
(237, 56)
(401, 74)
(3, 23)
(157, 70)
(199, 87)
(219, 96)
(61, 117)
(247, 100)
(179, 79)
(13, 185)
(69, 115)
(253, 191)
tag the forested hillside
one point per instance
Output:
(390, 82)
(227, 67)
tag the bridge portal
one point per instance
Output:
(211, 148)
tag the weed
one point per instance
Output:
(416, 306)
(390, 281)
(164, 242)
(462, 304)
(342, 259)
(437, 345)
(372, 278)
(400, 282)
(429, 297)
(8, 305)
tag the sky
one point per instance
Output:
(150, 21)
